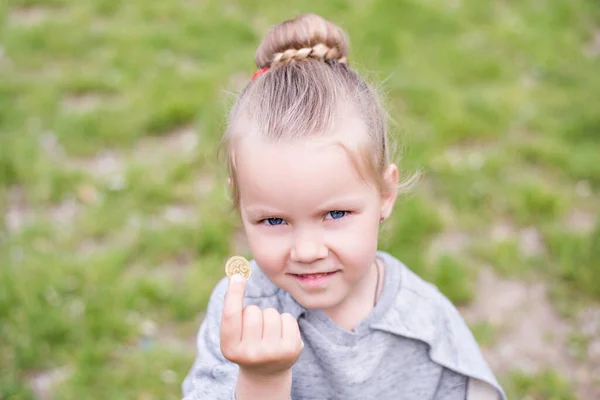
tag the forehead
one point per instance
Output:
(297, 174)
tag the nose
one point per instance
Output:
(308, 246)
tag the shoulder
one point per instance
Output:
(420, 311)
(417, 302)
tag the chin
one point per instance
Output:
(314, 303)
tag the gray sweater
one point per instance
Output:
(413, 345)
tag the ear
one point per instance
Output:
(391, 177)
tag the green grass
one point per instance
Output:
(484, 332)
(496, 102)
(547, 384)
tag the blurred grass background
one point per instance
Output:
(116, 222)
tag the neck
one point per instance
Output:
(354, 309)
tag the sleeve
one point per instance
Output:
(452, 386)
(212, 376)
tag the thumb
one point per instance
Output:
(231, 323)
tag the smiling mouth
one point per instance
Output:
(315, 275)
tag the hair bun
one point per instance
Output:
(306, 36)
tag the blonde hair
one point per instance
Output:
(308, 83)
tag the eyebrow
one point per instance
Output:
(258, 211)
(335, 204)
(348, 200)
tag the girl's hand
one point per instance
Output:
(263, 343)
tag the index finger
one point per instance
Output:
(231, 321)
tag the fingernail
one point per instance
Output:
(237, 278)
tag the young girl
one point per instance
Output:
(324, 314)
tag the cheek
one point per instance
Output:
(363, 232)
(267, 249)
(357, 244)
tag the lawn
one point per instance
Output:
(115, 216)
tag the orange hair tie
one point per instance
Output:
(259, 72)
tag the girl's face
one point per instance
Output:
(306, 211)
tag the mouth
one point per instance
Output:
(315, 275)
(314, 280)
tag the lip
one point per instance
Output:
(314, 273)
(314, 281)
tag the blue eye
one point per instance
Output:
(274, 221)
(337, 214)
